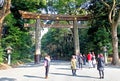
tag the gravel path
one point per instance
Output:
(59, 71)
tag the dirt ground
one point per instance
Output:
(4, 66)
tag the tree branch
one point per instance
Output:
(5, 10)
(107, 5)
(112, 12)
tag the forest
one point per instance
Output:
(102, 30)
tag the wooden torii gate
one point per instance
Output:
(54, 17)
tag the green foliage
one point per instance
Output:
(98, 34)
(66, 6)
(42, 3)
(1, 54)
(58, 43)
(19, 40)
(28, 5)
(15, 35)
(83, 37)
(94, 38)
(91, 39)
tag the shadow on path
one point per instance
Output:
(64, 68)
(113, 66)
(82, 76)
(7, 79)
(30, 65)
(30, 76)
(61, 74)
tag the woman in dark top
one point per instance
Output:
(47, 65)
(100, 65)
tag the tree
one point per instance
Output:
(113, 7)
(4, 11)
(14, 34)
(58, 43)
(17, 39)
(110, 17)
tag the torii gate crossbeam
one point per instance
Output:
(55, 17)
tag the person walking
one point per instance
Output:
(93, 60)
(47, 65)
(73, 65)
(84, 59)
(80, 61)
(100, 65)
(89, 58)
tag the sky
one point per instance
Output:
(44, 31)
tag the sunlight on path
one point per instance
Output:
(59, 71)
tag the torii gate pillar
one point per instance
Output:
(37, 42)
(76, 37)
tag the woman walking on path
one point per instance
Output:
(47, 65)
(84, 59)
(73, 65)
(93, 60)
(100, 65)
(80, 61)
(89, 58)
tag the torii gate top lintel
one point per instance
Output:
(57, 17)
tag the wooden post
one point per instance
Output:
(37, 41)
(76, 37)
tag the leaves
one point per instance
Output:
(28, 5)
(57, 42)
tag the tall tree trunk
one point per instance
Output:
(4, 12)
(115, 59)
(113, 20)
